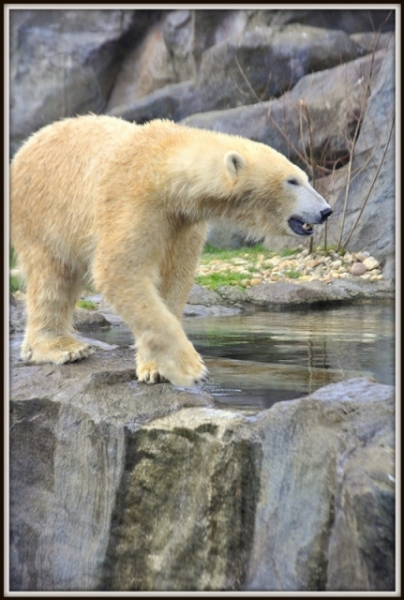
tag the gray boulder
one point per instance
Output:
(170, 53)
(362, 489)
(143, 69)
(265, 63)
(63, 62)
(348, 20)
(318, 536)
(244, 69)
(173, 102)
(314, 293)
(333, 98)
(373, 41)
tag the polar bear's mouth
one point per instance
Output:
(300, 227)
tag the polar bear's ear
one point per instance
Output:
(233, 162)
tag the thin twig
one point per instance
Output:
(246, 80)
(354, 140)
(312, 159)
(362, 167)
(311, 142)
(286, 137)
(301, 133)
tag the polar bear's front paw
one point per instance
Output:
(185, 370)
(190, 370)
(148, 373)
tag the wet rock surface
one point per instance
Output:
(118, 486)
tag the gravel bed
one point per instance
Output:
(297, 268)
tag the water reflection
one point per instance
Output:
(291, 354)
(261, 358)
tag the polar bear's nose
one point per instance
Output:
(325, 214)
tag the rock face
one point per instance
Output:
(309, 533)
(228, 78)
(333, 98)
(373, 191)
(64, 62)
(117, 486)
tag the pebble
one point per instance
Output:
(358, 269)
(361, 256)
(371, 263)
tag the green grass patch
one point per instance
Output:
(288, 252)
(87, 304)
(211, 253)
(215, 280)
(15, 284)
(331, 250)
(247, 252)
(292, 274)
(13, 258)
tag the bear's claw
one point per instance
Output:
(149, 373)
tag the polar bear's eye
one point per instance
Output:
(293, 181)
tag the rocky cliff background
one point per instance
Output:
(317, 85)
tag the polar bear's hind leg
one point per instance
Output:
(51, 294)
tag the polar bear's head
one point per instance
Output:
(278, 197)
(311, 208)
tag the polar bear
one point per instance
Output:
(127, 205)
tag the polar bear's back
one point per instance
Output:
(54, 179)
